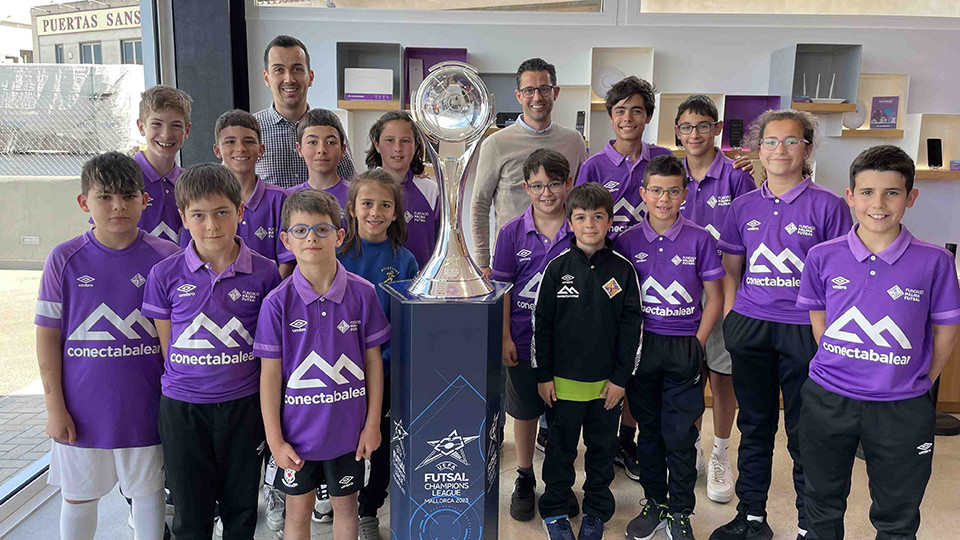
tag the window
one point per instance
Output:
(58, 53)
(131, 51)
(594, 6)
(90, 53)
(931, 8)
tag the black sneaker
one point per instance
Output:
(678, 527)
(573, 506)
(322, 509)
(741, 528)
(626, 458)
(541, 439)
(522, 507)
(652, 517)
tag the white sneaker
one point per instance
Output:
(701, 465)
(218, 528)
(322, 509)
(275, 503)
(719, 480)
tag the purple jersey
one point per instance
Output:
(338, 190)
(623, 179)
(261, 224)
(213, 319)
(880, 309)
(421, 198)
(709, 200)
(160, 217)
(321, 341)
(111, 356)
(774, 235)
(521, 255)
(671, 269)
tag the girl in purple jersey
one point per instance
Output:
(396, 146)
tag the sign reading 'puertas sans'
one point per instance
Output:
(89, 21)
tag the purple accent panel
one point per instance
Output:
(746, 108)
(430, 57)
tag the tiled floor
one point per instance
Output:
(22, 438)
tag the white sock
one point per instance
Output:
(720, 447)
(149, 513)
(78, 521)
(802, 532)
(758, 519)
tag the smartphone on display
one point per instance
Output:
(934, 153)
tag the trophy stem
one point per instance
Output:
(450, 272)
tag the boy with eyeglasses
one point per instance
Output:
(713, 182)
(524, 246)
(676, 261)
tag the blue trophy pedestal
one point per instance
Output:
(445, 410)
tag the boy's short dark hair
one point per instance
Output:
(310, 201)
(284, 41)
(203, 180)
(589, 196)
(537, 64)
(698, 104)
(665, 165)
(320, 117)
(631, 86)
(554, 165)
(112, 172)
(162, 97)
(236, 118)
(884, 157)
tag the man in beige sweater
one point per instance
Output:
(499, 178)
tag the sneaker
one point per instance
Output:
(169, 501)
(701, 464)
(276, 509)
(573, 506)
(591, 528)
(541, 439)
(627, 459)
(370, 528)
(559, 529)
(652, 518)
(678, 527)
(522, 499)
(741, 529)
(218, 527)
(322, 509)
(719, 480)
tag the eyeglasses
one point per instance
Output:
(322, 230)
(554, 187)
(702, 127)
(657, 192)
(545, 90)
(790, 143)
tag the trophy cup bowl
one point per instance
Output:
(452, 111)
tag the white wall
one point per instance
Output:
(724, 54)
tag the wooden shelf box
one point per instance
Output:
(788, 67)
(631, 61)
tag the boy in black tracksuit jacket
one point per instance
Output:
(586, 333)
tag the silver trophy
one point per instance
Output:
(452, 109)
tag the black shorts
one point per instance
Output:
(523, 400)
(346, 476)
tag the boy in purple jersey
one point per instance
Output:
(205, 301)
(885, 309)
(676, 262)
(714, 182)
(319, 335)
(524, 246)
(769, 232)
(165, 122)
(321, 142)
(100, 357)
(238, 146)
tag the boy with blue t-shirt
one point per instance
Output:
(885, 309)
(319, 335)
(676, 261)
(100, 358)
(205, 301)
(524, 246)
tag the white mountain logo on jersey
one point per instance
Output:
(777, 260)
(299, 380)
(635, 211)
(85, 331)
(568, 291)
(713, 231)
(533, 285)
(164, 229)
(872, 331)
(667, 294)
(223, 333)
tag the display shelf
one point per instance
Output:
(746, 108)
(937, 174)
(880, 85)
(872, 133)
(920, 127)
(660, 129)
(629, 60)
(368, 105)
(370, 55)
(571, 101)
(789, 67)
(430, 56)
(502, 87)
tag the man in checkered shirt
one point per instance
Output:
(286, 70)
